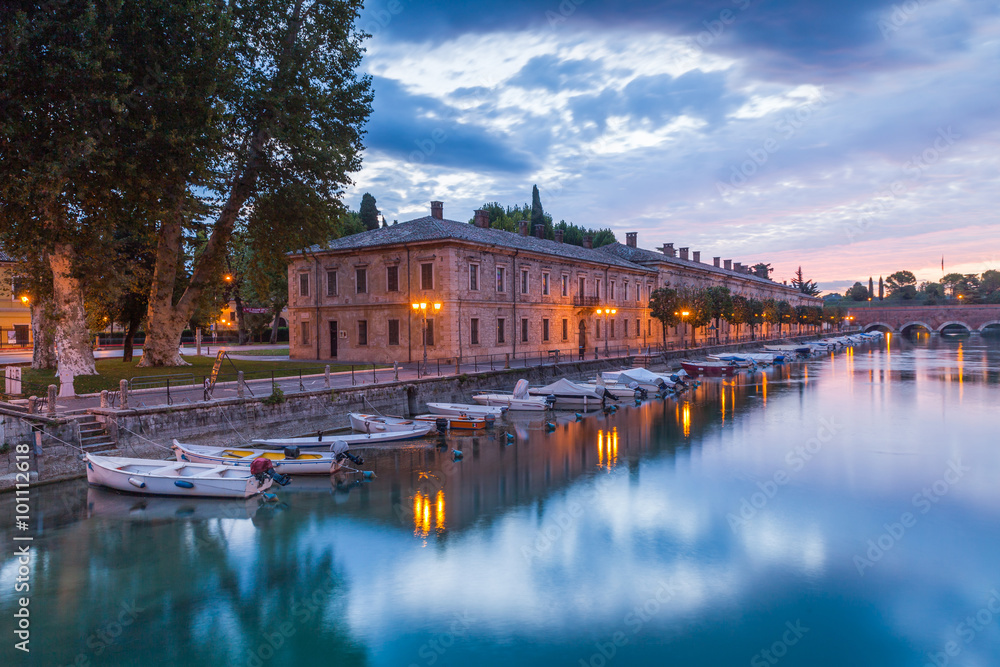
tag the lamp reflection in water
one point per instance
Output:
(686, 419)
(607, 449)
(423, 508)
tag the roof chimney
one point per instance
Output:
(728, 265)
(696, 256)
(559, 234)
(482, 218)
(437, 210)
(668, 249)
(684, 253)
(737, 267)
(716, 261)
(522, 227)
(588, 241)
(631, 239)
(540, 231)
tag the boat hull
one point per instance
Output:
(511, 403)
(464, 410)
(307, 464)
(455, 423)
(353, 440)
(169, 478)
(379, 424)
(695, 368)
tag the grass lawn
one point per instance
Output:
(276, 352)
(111, 371)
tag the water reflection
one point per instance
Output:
(719, 520)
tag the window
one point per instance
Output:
(545, 284)
(637, 327)
(331, 283)
(232, 317)
(649, 327)
(524, 329)
(597, 329)
(393, 332)
(303, 284)
(580, 290)
(474, 277)
(611, 328)
(611, 289)
(501, 330)
(501, 279)
(361, 281)
(474, 331)
(545, 330)
(625, 332)
(625, 287)
(304, 337)
(426, 276)
(362, 332)
(565, 285)
(597, 287)
(524, 281)
(429, 332)
(565, 329)
(638, 292)
(392, 278)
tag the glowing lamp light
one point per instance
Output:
(228, 278)
(24, 299)
(684, 313)
(416, 306)
(437, 306)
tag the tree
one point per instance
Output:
(785, 315)
(762, 270)
(740, 313)
(756, 315)
(871, 289)
(537, 213)
(805, 286)
(296, 108)
(718, 302)
(664, 306)
(369, 212)
(857, 292)
(693, 305)
(881, 289)
(989, 283)
(896, 283)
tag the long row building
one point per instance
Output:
(455, 289)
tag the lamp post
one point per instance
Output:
(606, 312)
(422, 308)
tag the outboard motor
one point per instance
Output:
(262, 468)
(292, 452)
(339, 451)
(441, 424)
(490, 420)
(550, 401)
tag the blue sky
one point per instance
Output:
(853, 138)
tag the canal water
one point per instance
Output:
(840, 511)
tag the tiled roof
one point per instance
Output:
(432, 229)
(643, 256)
(4, 257)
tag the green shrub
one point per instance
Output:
(277, 397)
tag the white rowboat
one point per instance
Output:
(306, 463)
(174, 478)
(464, 410)
(380, 424)
(357, 439)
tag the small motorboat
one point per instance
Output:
(379, 423)
(465, 409)
(355, 439)
(710, 368)
(180, 478)
(287, 462)
(569, 395)
(456, 423)
(737, 360)
(518, 400)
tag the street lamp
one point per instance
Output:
(25, 299)
(606, 312)
(422, 308)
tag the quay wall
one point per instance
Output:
(147, 432)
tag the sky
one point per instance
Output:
(853, 138)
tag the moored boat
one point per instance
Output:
(518, 400)
(464, 409)
(364, 423)
(178, 478)
(456, 423)
(355, 439)
(710, 368)
(287, 462)
(569, 395)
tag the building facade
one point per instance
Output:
(15, 310)
(469, 290)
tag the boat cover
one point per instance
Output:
(521, 389)
(640, 375)
(338, 447)
(566, 387)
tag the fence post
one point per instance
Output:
(506, 361)
(374, 376)
(326, 376)
(352, 376)
(458, 365)
(123, 391)
(51, 407)
(104, 398)
(239, 384)
(169, 402)
(439, 367)
(395, 370)
(197, 341)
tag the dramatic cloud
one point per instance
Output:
(852, 138)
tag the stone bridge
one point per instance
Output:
(933, 318)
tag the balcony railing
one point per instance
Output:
(586, 301)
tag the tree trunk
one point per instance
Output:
(43, 326)
(274, 326)
(74, 355)
(164, 321)
(241, 324)
(128, 344)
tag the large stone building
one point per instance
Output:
(15, 311)
(486, 291)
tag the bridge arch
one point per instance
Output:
(994, 323)
(878, 325)
(915, 323)
(955, 323)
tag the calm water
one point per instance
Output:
(843, 511)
